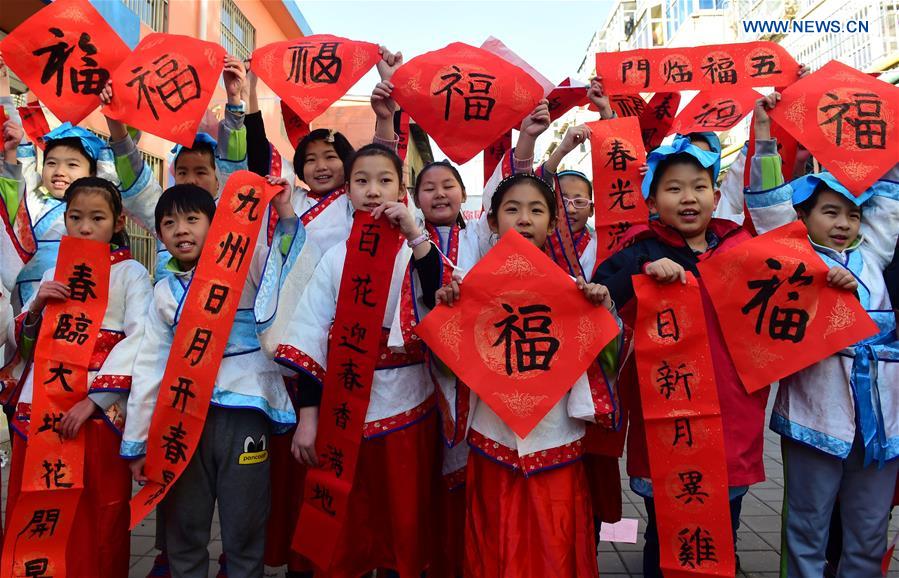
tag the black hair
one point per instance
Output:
(447, 165)
(520, 179)
(184, 199)
(375, 150)
(577, 175)
(341, 145)
(203, 148)
(108, 191)
(808, 205)
(673, 160)
(73, 143)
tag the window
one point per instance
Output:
(153, 13)
(238, 35)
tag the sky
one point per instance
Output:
(551, 35)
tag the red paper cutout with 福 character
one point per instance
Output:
(522, 333)
(847, 120)
(771, 294)
(165, 85)
(464, 97)
(65, 54)
(715, 110)
(312, 73)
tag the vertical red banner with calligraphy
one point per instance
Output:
(208, 313)
(53, 471)
(352, 358)
(617, 153)
(684, 435)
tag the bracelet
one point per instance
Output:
(423, 238)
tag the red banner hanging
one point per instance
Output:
(201, 336)
(493, 154)
(771, 293)
(700, 68)
(34, 123)
(464, 97)
(617, 153)
(65, 54)
(53, 470)
(165, 85)
(294, 126)
(656, 120)
(684, 435)
(401, 128)
(311, 73)
(566, 96)
(847, 120)
(372, 247)
(715, 110)
(522, 333)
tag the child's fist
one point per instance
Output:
(666, 271)
(842, 278)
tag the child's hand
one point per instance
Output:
(12, 135)
(538, 121)
(303, 444)
(398, 215)
(72, 421)
(666, 271)
(234, 77)
(760, 119)
(106, 94)
(451, 293)
(842, 278)
(281, 201)
(137, 470)
(48, 291)
(595, 293)
(389, 63)
(643, 169)
(803, 71)
(596, 94)
(382, 102)
(574, 136)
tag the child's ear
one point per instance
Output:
(651, 204)
(493, 223)
(119, 224)
(717, 199)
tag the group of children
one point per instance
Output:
(444, 486)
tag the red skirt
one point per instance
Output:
(287, 478)
(449, 531)
(390, 512)
(528, 527)
(99, 545)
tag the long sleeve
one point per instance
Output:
(305, 348)
(769, 199)
(616, 273)
(149, 367)
(259, 152)
(880, 219)
(730, 206)
(231, 150)
(428, 269)
(114, 378)
(140, 188)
